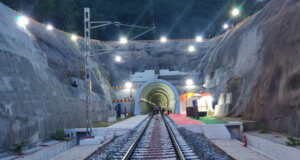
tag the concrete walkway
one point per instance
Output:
(83, 151)
(216, 131)
(236, 150)
(80, 152)
(130, 123)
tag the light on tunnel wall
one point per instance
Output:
(189, 82)
(191, 48)
(128, 85)
(49, 27)
(235, 12)
(73, 37)
(118, 59)
(225, 26)
(123, 40)
(163, 39)
(22, 21)
(199, 39)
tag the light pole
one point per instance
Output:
(88, 51)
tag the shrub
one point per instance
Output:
(19, 147)
(263, 128)
(292, 141)
(59, 135)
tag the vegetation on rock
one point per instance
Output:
(292, 141)
(18, 148)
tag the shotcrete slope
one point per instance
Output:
(257, 62)
(37, 68)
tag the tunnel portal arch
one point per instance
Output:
(159, 92)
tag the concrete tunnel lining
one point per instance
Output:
(159, 92)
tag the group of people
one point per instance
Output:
(159, 110)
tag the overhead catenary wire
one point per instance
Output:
(135, 26)
(107, 23)
(153, 28)
(154, 33)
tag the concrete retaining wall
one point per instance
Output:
(272, 149)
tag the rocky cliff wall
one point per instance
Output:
(258, 62)
(37, 68)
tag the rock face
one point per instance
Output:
(37, 68)
(257, 62)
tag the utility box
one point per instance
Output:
(192, 112)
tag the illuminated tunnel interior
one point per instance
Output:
(156, 93)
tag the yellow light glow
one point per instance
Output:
(123, 40)
(199, 39)
(73, 37)
(191, 49)
(235, 12)
(22, 21)
(225, 26)
(163, 39)
(189, 82)
(128, 85)
(118, 59)
(49, 27)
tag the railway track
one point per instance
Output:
(158, 141)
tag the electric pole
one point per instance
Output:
(88, 77)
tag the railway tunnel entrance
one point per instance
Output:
(156, 92)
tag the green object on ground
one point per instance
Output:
(208, 120)
(60, 135)
(19, 147)
(263, 128)
(292, 141)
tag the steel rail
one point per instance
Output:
(171, 134)
(174, 141)
(136, 141)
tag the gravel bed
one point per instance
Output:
(202, 147)
(119, 146)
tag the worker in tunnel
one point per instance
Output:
(157, 94)
(74, 84)
(163, 111)
(159, 109)
(155, 109)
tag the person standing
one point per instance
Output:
(168, 108)
(153, 110)
(159, 109)
(163, 110)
